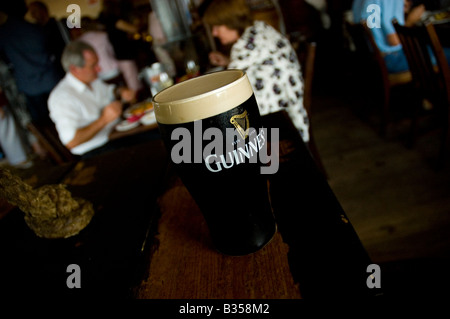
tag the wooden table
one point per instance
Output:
(314, 253)
(141, 128)
(123, 187)
(148, 238)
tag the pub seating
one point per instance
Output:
(431, 77)
(307, 59)
(366, 46)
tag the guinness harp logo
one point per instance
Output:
(241, 124)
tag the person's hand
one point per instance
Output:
(415, 15)
(127, 95)
(112, 111)
(218, 59)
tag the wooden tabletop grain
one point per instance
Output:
(315, 251)
(185, 264)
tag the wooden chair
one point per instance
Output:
(367, 47)
(431, 75)
(307, 58)
(48, 137)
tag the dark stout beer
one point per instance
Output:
(225, 178)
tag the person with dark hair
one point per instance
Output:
(264, 54)
(84, 108)
(57, 34)
(119, 30)
(26, 48)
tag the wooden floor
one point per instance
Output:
(398, 203)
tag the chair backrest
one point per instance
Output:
(306, 52)
(371, 56)
(365, 43)
(431, 74)
(426, 60)
(307, 62)
(48, 138)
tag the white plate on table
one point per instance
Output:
(126, 125)
(148, 119)
(138, 109)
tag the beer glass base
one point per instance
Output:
(246, 252)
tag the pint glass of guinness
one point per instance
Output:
(212, 130)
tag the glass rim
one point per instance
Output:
(202, 97)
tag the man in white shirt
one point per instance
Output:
(83, 107)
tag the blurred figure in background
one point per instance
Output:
(119, 30)
(56, 33)
(85, 109)
(26, 48)
(386, 37)
(264, 54)
(95, 35)
(10, 140)
(17, 107)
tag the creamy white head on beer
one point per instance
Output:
(202, 97)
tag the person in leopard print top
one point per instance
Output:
(264, 54)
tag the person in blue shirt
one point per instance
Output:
(384, 35)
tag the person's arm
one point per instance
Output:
(393, 39)
(412, 18)
(110, 113)
(218, 59)
(125, 94)
(126, 26)
(414, 15)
